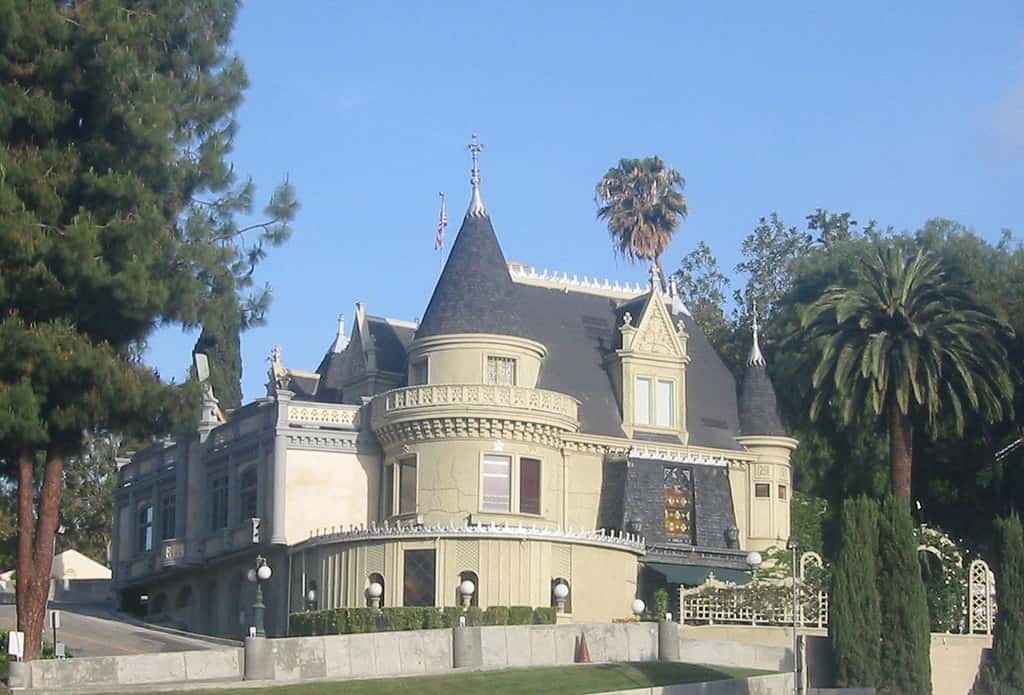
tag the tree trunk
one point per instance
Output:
(26, 532)
(901, 452)
(33, 620)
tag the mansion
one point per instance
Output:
(532, 431)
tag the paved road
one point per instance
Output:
(91, 631)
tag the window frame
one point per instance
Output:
(165, 497)
(414, 458)
(425, 362)
(514, 359)
(145, 538)
(388, 488)
(511, 484)
(653, 380)
(245, 489)
(540, 485)
(218, 519)
(783, 492)
(767, 487)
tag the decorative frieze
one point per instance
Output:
(321, 440)
(518, 397)
(659, 454)
(469, 428)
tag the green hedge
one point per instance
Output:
(344, 621)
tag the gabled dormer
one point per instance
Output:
(651, 367)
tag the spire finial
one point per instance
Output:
(655, 278)
(341, 340)
(756, 359)
(476, 203)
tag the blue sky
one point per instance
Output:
(893, 111)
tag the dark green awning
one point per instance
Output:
(695, 575)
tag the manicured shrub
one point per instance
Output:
(855, 614)
(1005, 670)
(299, 625)
(362, 620)
(496, 615)
(520, 615)
(450, 616)
(906, 627)
(433, 619)
(401, 618)
(544, 615)
(474, 616)
(660, 603)
(339, 622)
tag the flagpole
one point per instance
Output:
(441, 224)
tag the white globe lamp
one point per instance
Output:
(638, 607)
(561, 591)
(374, 592)
(263, 573)
(251, 575)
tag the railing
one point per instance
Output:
(337, 416)
(487, 395)
(758, 604)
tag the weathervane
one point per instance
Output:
(756, 359)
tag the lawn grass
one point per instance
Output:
(564, 680)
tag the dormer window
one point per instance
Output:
(654, 401)
(418, 373)
(500, 371)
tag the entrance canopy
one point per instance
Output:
(692, 575)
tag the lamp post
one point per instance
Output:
(466, 589)
(754, 561)
(257, 575)
(793, 545)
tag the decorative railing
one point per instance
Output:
(488, 395)
(758, 603)
(340, 416)
(519, 531)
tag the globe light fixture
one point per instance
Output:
(561, 593)
(257, 575)
(638, 607)
(263, 573)
(373, 593)
(251, 575)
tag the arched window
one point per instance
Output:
(145, 528)
(247, 497)
(474, 598)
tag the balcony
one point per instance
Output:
(172, 553)
(510, 403)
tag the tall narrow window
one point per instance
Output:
(218, 501)
(168, 516)
(497, 483)
(389, 490)
(418, 372)
(501, 371)
(529, 486)
(247, 497)
(146, 528)
(419, 578)
(642, 401)
(665, 404)
(407, 485)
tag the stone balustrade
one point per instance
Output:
(437, 397)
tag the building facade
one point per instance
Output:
(531, 430)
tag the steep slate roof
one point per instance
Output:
(580, 330)
(392, 341)
(475, 292)
(759, 411)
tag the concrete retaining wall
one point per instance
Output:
(137, 669)
(776, 684)
(357, 656)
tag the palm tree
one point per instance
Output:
(643, 204)
(906, 340)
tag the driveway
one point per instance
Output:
(96, 631)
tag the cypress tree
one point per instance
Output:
(1005, 672)
(906, 628)
(118, 207)
(855, 618)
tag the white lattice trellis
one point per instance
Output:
(981, 602)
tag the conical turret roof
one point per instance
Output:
(475, 293)
(758, 406)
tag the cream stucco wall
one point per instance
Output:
(511, 571)
(449, 478)
(462, 359)
(329, 488)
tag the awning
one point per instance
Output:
(695, 575)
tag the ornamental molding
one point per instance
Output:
(319, 440)
(651, 453)
(517, 397)
(600, 537)
(426, 429)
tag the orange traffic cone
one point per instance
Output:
(583, 651)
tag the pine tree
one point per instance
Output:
(1005, 673)
(855, 619)
(220, 340)
(906, 628)
(118, 209)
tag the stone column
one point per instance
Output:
(259, 659)
(467, 650)
(668, 641)
(277, 516)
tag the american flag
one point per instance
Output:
(441, 224)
